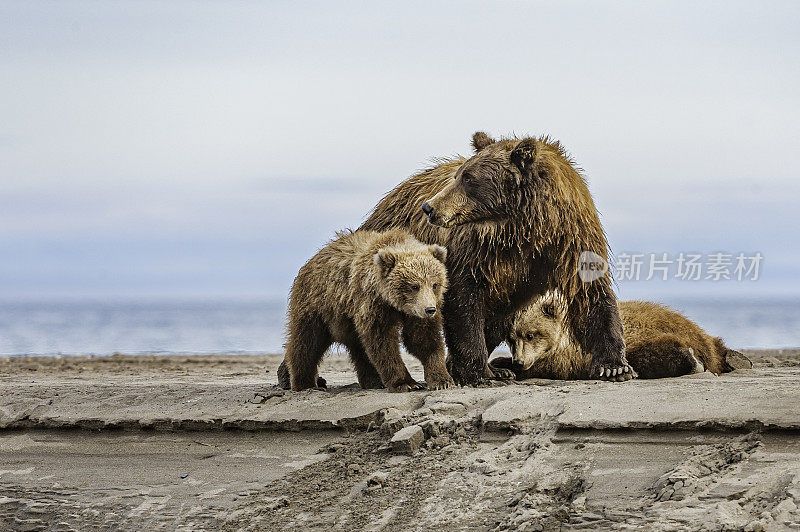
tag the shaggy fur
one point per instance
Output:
(515, 218)
(359, 291)
(660, 343)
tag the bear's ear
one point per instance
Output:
(549, 310)
(385, 260)
(480, 140)
(524, 155)
(438, 252)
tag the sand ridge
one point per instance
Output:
(209, 442)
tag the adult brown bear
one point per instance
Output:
(515, 218)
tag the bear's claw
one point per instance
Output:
(503, 374)
(407, 387)
(441, 384)
(616, 373)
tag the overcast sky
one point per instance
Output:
(208, 149)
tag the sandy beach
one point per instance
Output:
(210, 442)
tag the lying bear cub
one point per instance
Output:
(660, 342)
(360, 290)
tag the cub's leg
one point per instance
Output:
(285, 382)
(308, 340)
(344, 330)
(663, 356)
(368, 377)
(424, 341)
(383, 350)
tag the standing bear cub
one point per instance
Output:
(660, 343)
(516, 219)
(360, 290)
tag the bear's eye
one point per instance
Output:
(435, 286)
(415, 287)
(549, 311)
(467, 178)
(529, 337)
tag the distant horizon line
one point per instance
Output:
(257, 298)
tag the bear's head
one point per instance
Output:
(504, 180)
(538, 331)
(413, 278)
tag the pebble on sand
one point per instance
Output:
(408, 440)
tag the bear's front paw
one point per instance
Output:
(412, 386)
(440, 383)
(466, 378)
(613, 370)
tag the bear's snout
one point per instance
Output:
(430, 311)
(446, 209)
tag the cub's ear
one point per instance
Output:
(385, 260)
(438, 252)
(524, 155)
(480, 140)
(549, 310)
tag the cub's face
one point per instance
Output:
(536, 332)
(414, 281)
(489, 186)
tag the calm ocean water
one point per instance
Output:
(229, 326)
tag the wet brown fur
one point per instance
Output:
(361, 290)
(660, 342)
(526, 215)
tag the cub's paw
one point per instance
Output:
(501, 367)
(284, 381)
(503, 374)
(371, 383)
